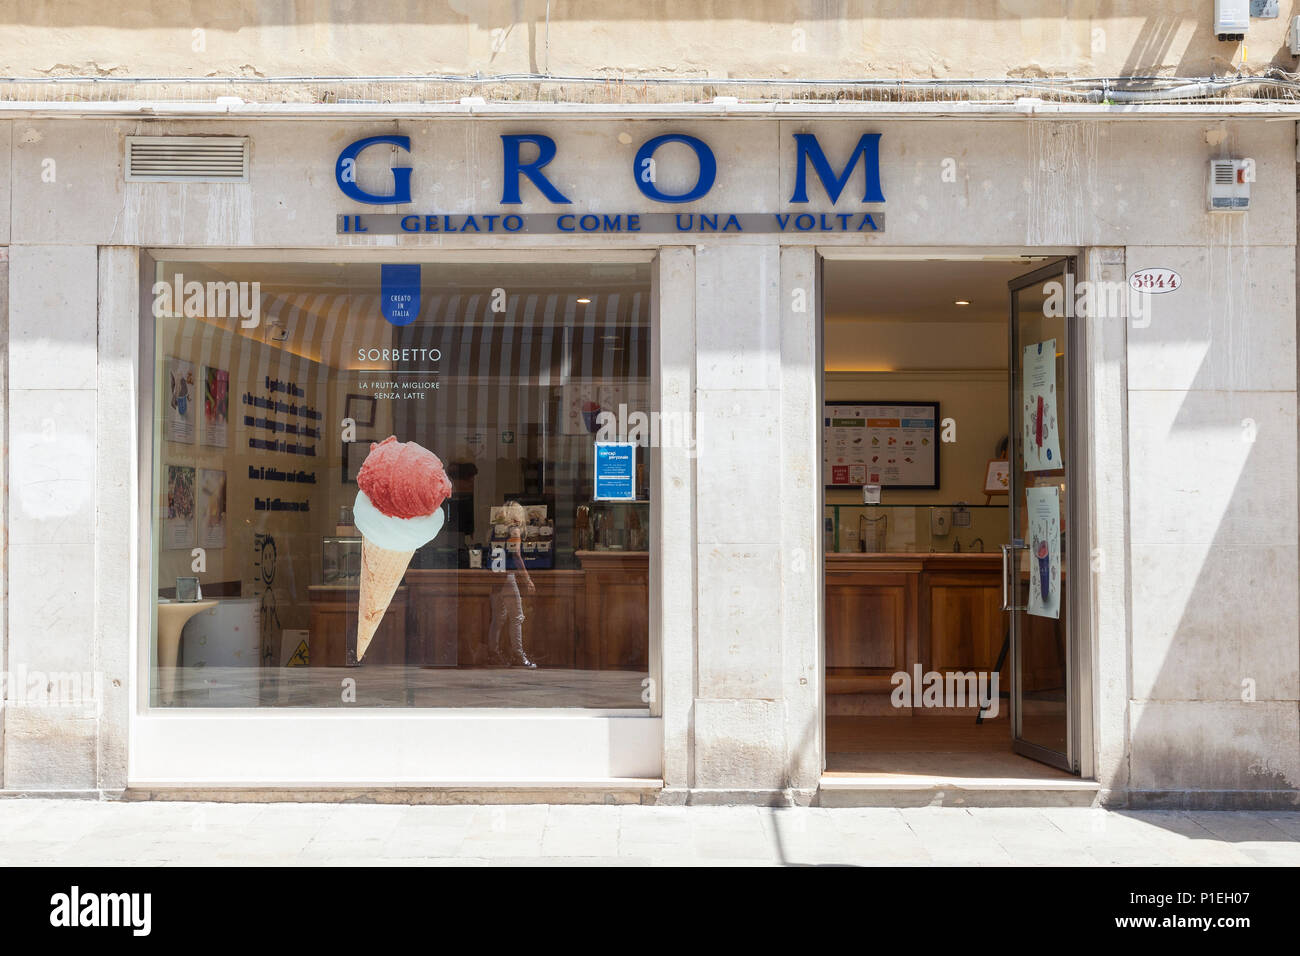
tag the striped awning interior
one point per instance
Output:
(502, 362)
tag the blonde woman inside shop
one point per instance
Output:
(507, 605)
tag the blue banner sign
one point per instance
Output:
(399, 293)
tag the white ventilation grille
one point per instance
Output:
(187, 159)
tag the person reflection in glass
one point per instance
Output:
(507, 605)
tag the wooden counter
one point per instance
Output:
(887, 612)
(593, 618)
(333, 637)
(617, 610)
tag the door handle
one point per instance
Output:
(1008, 600)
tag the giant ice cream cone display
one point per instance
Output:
(398, 509)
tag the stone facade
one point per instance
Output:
(1191, 420)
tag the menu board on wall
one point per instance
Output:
(892, 444)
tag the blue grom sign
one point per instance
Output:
(518, 171)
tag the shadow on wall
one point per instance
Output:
(1212, 445)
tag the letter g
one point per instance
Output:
(401, 174)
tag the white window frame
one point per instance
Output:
(297, 747)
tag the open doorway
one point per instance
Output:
(946, 650)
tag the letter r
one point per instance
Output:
(513, 167)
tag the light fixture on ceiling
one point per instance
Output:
(962, 302)
(584, 301)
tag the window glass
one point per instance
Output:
(413, 486)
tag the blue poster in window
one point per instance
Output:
(615, 471)
(399, 293)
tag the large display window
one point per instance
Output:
(419, 485)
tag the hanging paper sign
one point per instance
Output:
(1043, 511)
(615, 468)
(1040, 442)
(399, 293)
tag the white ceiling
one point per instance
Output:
(920, 290)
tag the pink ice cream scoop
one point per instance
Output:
(403, 480)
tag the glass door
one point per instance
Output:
(1037, 565)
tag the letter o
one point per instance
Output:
(708, 168)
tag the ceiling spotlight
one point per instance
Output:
(962, 302)
(584, 301)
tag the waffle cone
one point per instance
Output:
(381, 573)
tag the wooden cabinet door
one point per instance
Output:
(967, 626)
(869, 616)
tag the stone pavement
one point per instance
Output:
(74, 832)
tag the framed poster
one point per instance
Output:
(997, 477)
(216, 406)
(361, 409)
(891, 444)
(212, 508)
(354, 456)
(582, 401)
(178, 417)
(178, 528)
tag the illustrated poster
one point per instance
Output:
(894, 446)
(216, 407)
(178, 420)
(212, 508)
(178, 528)
(1043, 509)
(1042, 451)
(582, 401)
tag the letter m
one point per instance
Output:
(116, 909)
(223, 300)
(808, 149)
(962, 687)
